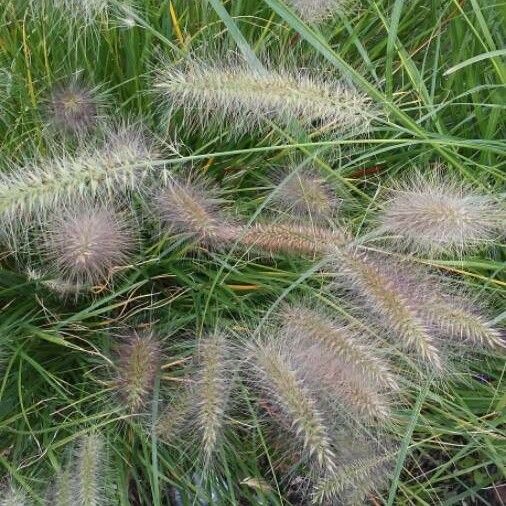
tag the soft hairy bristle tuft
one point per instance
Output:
(305, 192)
(119, 165)
(81, 10)
(88, 469)
(138, 364)
(211, 390)
(12, 497)
(74, 108)
(85, 244)
(192, 207)
(436, 213)
(302, 323)
(246, 98)
(317, 10)
(290, 238)
(277, 375)
(392, 296)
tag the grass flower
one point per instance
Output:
(12, 497)
(120, 165)
(290, 238)
(317, 10)
(82, 10)
(192, 207)
(314, 326)
(85, 244)
(74, 108)
(88, 469)
(393, 297)
(277, 375)
(138, 364)
(437, 213)
(305, 192)
(246, 98)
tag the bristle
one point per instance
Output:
(138, 364)
(212, 391)
(305, 193)
(364, 471)
(289, 238)
(120, 165)
(246, 98)
(317, 10)
(192, 208)
(435, 213)
(63, 494)
(313, 326)
(339, 382)
(380, 284)
(277, 375)
(86, 243)
(88, 477)
(12, 497)
(74, 108)
(457, 320)
(78, 10)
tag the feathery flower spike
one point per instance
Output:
(247, 98)
(138, 363)
(305, 192)
(392, 298)
(81, 10)
(12, 497)
(313, 326)
(85, 244)
(88, 489)
(437, 213)
(276, 373)
(317, 10)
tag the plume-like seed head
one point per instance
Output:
(12, 497)
(85, 244)
(74, 108)
(120, 165)
(246, 98)
(396, 298)
(305, 192)
(364, 470)
(277, 375)
(88, 472)
(312, 326)
(211, 390)
(138, 364)
(290, 238)
(81, 10)
(192, 208)
(317, 10)
(435, 213)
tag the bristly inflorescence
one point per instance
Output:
(272, 366)
(247, 99)
(74, 108)
(80, 10)
(192, 207)
(121, 164)
(84, 245)
(305, 192)
(317, 10)
(12, 497)
(88, 489)
(437, 213)
(138, 362)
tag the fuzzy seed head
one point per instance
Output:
(192, 208)
(317, 10)
(312, 326)
(88, 472)
(119, 166)
(82, 10)
(138, 365)
(12, 497)
(212, 390)
(392, 299)
(74, 108)
(290, 238)
(277, 374)
(87, 243)
(436, 214)
(247, 98)
(306, 193)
